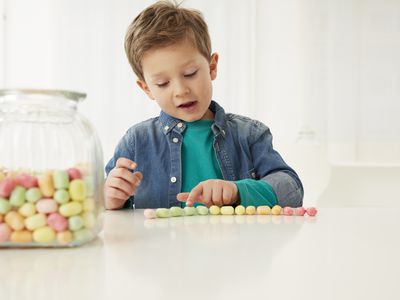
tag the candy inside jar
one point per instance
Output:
(51, 171)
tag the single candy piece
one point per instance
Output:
(5, 232)
(288, 211)
(61, 196)
(240, 210)
(202, 210)
(75, 223)
(299, 211)
(70, 209)
(82, 235)
(176, 211)
(17, 197)
(250, 210)
(263, 210)
(57, 222)
(77, 190)
(44, 235)
(26, 180)
(88, 204)
(64, 237)
(214, 210)
(33, 194)
(60, 179)
(5, 206)
(74, 173)
(23, 236)
(190, 210)
(276, 210)
(35, 221)
(150, 213)
(46, 206)
(46, 184)
(14, 220)
(162, 212)
(311, 211)
(227, 210)
(89, 219)
(6, 187)
(27, 210)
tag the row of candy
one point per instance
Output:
(176, 211)
(54, 207)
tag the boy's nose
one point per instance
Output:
(181, 89)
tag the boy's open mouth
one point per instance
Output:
(188, 105)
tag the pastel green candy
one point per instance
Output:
(162, 213)
(227, 210)
(61, 179)
(202, 210)
(5, 206)
(33, 194)
(176, 211)
(89, 186)
(82, 235)
(190, 211)
(27, 209)
(17, 197)
(61, 196)
(75, 223)
(77, 190)
(70, 209)
(240, 210)
(214, 210)
(36, 221)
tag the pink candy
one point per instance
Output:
(6, 187)
(25, 180)
(312, 211)
(74, 173)
(5, 232)
(150, 213)
(287, 211)
(299, 211)
(46, 206)
(57, 222)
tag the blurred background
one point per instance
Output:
(323, 75)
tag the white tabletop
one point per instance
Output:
(343, 253)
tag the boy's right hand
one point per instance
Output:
(121, 183)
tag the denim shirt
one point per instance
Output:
(243, 148)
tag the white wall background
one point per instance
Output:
(324, 75)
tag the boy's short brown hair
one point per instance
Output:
(162, 24)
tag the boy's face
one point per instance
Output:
(179, 78)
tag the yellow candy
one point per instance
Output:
(214, 210)
(240, 210)
(23, 236)
(70, 209)
(263, 210)
(276, 210)
(64, 237)
(88, 204)
(46, 184)
(27, 210)
(77, 190)
(88, 219)
(250, 210)
(14, 220)
(2, 175)
(44, 235)
(227, 210)
(35, 221)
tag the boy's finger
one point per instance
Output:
(194, 195)
(123, 162)
(182, 197)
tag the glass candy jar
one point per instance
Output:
(51, 170)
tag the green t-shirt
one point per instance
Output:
(199, 164)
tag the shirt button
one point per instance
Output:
(179, 125)
(253, 175)
(173, 179)
(175, 140)
(166, 128)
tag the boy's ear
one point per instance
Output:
(145, 88)
(213, 65)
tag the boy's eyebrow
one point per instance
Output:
(182, 66)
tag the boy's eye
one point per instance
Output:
(191, 74)
(164, 84)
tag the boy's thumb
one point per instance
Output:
(182, 196)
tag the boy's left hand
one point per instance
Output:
(211, 192)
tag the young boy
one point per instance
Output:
(194, 152)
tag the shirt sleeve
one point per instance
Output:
(255, 192)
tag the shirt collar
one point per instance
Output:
(168, 123)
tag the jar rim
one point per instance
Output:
(72, 95)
